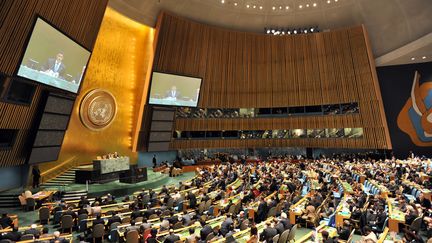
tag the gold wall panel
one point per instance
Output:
(119, 65)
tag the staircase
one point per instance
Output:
(74, 195)
(9, 201)
(64, 179)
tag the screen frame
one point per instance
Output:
(9, 86)
(26, 44)
(178, 74)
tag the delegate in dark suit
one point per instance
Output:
(171, 238)
(172, 93)
(32, 231)
(261, 212)
(205, 231)
(55, 65)
(14, 235)
(268, 234)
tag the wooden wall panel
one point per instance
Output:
(249, 70)
(79, 19)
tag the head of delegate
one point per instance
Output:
(55, 66)
(173, 93)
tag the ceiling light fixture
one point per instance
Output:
(286, 7)
(412, 58)
(247, 6)
(301, 6)
(260, 7)
(423, 57)
(235, 4)
(222, 1)
(274, 8)
(314, 4)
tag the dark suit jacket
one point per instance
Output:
(98, 221)
(171, 238)
(83, 202)
(50, 65)
(280, 227)
(113, 220)
(344, 234)
(152, 240)
(262, 211)
(268, 234)
(173, 220)
(169, 94)
(13, 236)
(34, 232)
(225, 226)
(136, 214)
(5, 222)
(205, 231)
(287, 224)
(71, 213)
(192, 200)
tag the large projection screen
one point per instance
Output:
(174, 90)
(53, 59)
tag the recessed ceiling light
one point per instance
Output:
(254, 6)
(280, 7)
(286, 7)
(273, 7)
(314, 4)
(235, 4)
(412, 58)
(301, 6)
(328, 1)
(247, 6)
(336, 0)
(222, 1)
(307, 5)
(423, 57)
(260, 7)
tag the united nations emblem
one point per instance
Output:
(98, 109)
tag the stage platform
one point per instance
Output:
(116, 188)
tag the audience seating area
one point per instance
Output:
(252, 202)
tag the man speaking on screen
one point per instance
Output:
(172, 93)
(55, 66)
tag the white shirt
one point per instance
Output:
(56, 66)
